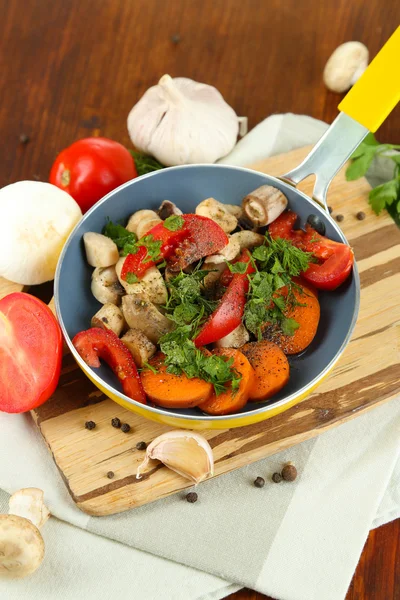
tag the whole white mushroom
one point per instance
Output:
(37, 219)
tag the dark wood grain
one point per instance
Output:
(73, 69)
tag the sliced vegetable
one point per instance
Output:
(172, 391)
(305, 314)
(203, 238)
(335, 259)
(91, 168)
(232, 400)
(96, 343)
(229, 313)
(139, 345)
(271, 369)
(30, 352)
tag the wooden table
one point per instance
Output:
(74, 69)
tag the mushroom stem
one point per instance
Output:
(29, 504)
(264, 205)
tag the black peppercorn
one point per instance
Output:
(276, 477)
(259, 482)
(176, 38)
(316, 223)
(191, 497)
(110, 474)
(289, 472)
(24, 139)
(330, 209)
(361, 215)
(125, 427)
(339, 218)
(141, 445)
(115, 422)
(90, 424)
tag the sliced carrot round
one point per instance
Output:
(306, 314)
(271, 369)
(173, 391)
(231, 401)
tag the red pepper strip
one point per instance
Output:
(203, 238)
(230, 311)
(96, 343)
(136, 263)
(336, 259)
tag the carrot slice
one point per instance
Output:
(173, 391)
(232, 400)
(307, 317)
(270, 366)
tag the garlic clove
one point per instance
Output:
(345, 66)
(185, 452)
(29, 504)
(180, 121)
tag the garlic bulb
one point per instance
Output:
(37, 217)
(180, 121)
(185, 452)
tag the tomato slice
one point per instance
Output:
(203, 238)
(30, 352)
(96, 343)
(335, 259)
(333, 271)
(138, 264)
(228, 315)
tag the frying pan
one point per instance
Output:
(363, 109)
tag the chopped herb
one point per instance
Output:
(238, 267)
(174, 222)
(150, 367)
(131, 278)
(152, 246)
(145, 164)
(124, 239)
(278, 261)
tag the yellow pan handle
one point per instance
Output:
(377, 91)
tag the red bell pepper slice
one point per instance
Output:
(230, 311)
(335, 259)
(138, 264)
(96, 343)
(203, 238)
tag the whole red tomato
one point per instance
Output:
(90, 168)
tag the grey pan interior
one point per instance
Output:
(187, 186)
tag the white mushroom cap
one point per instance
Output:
(347, 63)
(21, 547)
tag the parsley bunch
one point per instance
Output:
(124, 239)
(384, 195)
(144, 163)
(278, 261)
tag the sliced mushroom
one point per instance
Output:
(109, 317)
(345, 66)
(21, 544)
(264, 205)
(141, 314)
(139, 345)
(101, 251)
(105, 286)
(229, 252)
(152, 283)
(213, 276)
(216, 211)
(142, 221)
(237, 338)
(248, 239)
(167, 209)
(234, 209)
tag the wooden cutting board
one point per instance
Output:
(367, 375)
